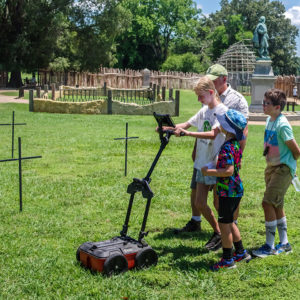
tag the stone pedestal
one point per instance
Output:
(262, 79)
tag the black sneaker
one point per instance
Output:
(214, 242)
(191, 226)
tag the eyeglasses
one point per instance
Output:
(265, 103)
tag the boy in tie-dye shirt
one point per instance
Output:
(229, 187)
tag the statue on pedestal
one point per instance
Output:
(260, 39)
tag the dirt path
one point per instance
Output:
(11, 99)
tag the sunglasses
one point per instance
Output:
(266, 103)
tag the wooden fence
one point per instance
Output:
(287, 83)
(116, 78)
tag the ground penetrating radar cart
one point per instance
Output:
(122, 252)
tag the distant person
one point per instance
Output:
(281, 151)
(229, 187)
(295, 93)
(233, 100)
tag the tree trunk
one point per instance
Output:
(15, 80)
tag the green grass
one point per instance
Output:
(77, 193)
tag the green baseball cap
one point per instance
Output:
(216, 71)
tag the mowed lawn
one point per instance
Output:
(77, 193)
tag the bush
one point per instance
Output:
(187, 62)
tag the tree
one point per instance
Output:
(282, 42)
(94, 26)
(231, 31)
(28, 32)
(187, 62)
(155, 24)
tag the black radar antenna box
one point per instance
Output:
(123, 252)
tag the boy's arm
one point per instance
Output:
(202, 135)
(243, 142)
(293, 146)
(184, 125)
(225, 172)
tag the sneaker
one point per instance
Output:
(222, 264)
(190, 226)
(214, 242)
(245, 256)
(286, 248)
(264, 251)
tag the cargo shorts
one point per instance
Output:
(277, 179)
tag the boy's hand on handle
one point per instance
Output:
(204, 170)
(180, 132)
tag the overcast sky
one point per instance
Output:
(292, 12)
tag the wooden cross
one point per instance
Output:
(126, 138)
(13, 124)
(20, 158)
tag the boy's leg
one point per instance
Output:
(284, 245)
(201, 205)
(270, 223)
(194, 224)
(226, 235)
(227, 258)
(277, 180)
(214, 243)
(216, 198)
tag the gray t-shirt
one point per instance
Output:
(234, 100)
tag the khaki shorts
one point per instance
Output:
(278, 179)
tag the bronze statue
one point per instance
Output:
(260, 39)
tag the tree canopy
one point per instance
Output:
(157, 34)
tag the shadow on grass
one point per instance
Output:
(168, 233)
(181, 257)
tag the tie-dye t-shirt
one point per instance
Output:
(230, 154)
(276, 134)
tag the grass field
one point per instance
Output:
(77, 193)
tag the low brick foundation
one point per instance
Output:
(100, 107)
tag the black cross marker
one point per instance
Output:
(20, 169)
(126, 142)
(13, 124)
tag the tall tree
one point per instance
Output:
(94, 26)
(282, 42)
(155, 23)
(28, 32)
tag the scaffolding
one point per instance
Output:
(239, 60)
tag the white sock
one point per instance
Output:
(270, 233)
(196, 218)
(282, 230)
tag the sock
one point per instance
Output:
(196, 218)
(235, 222)
(227, 253)
(282, 230)
(270, 233)
(239, 248)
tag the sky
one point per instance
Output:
(292, 12)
